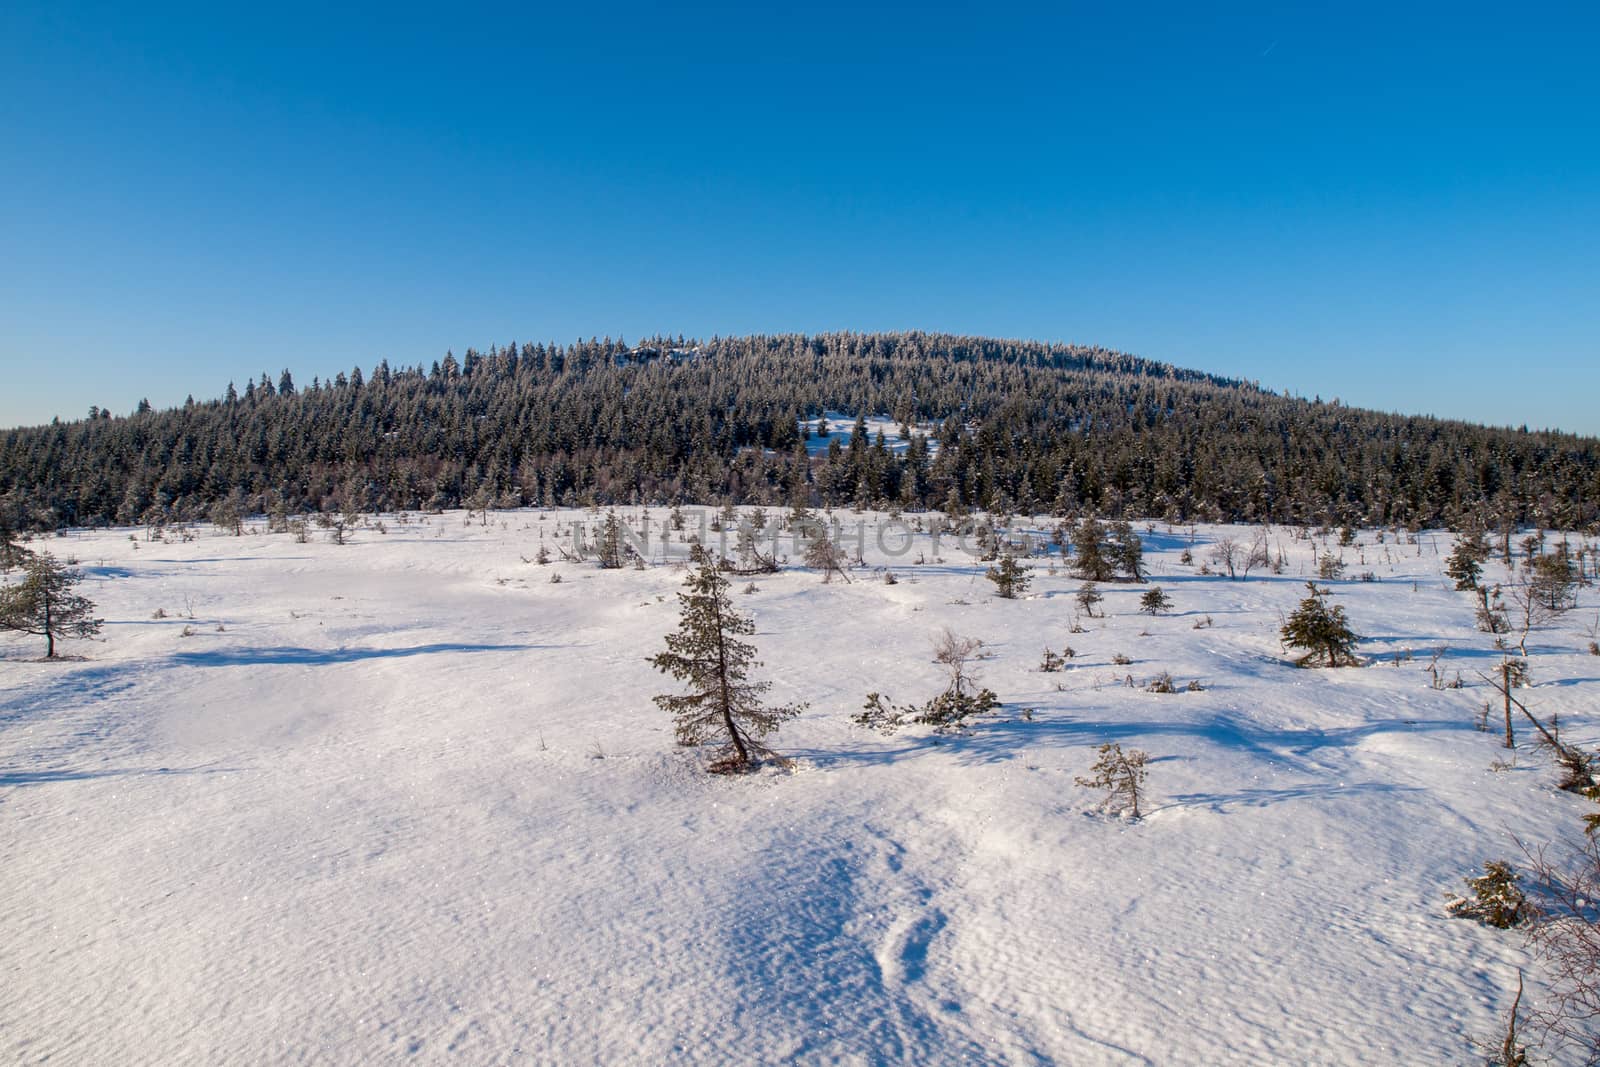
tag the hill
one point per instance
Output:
(1005, 425)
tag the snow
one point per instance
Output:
(408, 797)
(840, 425)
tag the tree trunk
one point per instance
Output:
(1505, 682)
(49, 628)
(724, 699)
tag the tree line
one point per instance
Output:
(1006, 426)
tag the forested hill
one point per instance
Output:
(1009, 424)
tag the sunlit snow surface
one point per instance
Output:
(407, 797)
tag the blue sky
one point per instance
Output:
(1400, 209)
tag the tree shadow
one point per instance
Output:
(288, 655)
(21, 778)
(1260, 798)
(233, 559)
(997, 741)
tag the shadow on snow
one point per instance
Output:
(293, 656)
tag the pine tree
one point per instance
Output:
(1464, 566)
(1010, 578)
(44, 605)
(1127, 550)
(824, 555)
(1320, 629)
(1154, 601)
(1496, 898)
(1552, 579)
(722, 705)
(1088, 596)
(1121, 774)
(610, 550)
(1090, 560)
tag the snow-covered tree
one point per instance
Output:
(1464, 565)
(962, 700)
(43, 604)
(1121, 774)
(1320, 629)
(1496, 898)
(722, 706)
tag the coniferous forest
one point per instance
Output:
(994, 424)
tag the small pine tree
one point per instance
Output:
(1010, 578)
(1496, 898)
(610, 550)
(1552, 580)
(1088, 596)
(1090, 560)
(823, 554)
(43, 604)
(1320, 629)
(1463, 566)
(1121, 774)
(1127, 551)
(1154, 601)
(722, 705)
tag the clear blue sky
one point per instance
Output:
(1398, 209)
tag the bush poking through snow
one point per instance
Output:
(1051, 662)
(722, 706)
(1496, 899)
(962, 700)
(1121, 774)
(1565, 939)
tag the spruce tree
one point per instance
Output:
(1127, 551)
(1154, 601)
(1121, 774)
(610, 548)
(1320, 629)
(722, 705)
(823, 554)
(43, 604)
(1010, 578)
(1464, 565)
(1090, 559)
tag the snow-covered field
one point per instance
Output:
(839, 425)
(409, 798)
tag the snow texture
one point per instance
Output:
(407, 798)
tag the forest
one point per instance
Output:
(999, 425)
